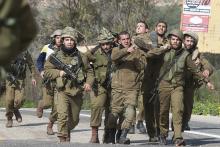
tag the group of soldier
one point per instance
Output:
(157, 71)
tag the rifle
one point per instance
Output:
(69, 70)
(17, 70)
(155, 92)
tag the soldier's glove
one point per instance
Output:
(142, 45)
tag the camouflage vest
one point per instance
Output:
(176, 74)
(102, 66)
(74, 61)
(18, 66)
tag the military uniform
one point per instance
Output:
(190, 83)
(145, 37)
(69, 96)
(171, 89)
(151, 74)
(100, 101)
(15, 85)
(125, 86)
(48, 89)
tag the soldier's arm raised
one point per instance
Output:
(157, 52)
(118, 54)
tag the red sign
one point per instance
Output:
(196, 23)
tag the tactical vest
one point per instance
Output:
(18, 66)
(102, 66)
(74, 61)
(176, 74)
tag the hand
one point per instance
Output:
(62, 73)
(210, 86)
(166, 46)
(34, 82)
(205, 73)
(87, 87)
(131, 49)
(42, 74)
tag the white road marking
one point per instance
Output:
(87, 115)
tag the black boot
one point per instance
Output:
(123, 139)
(186, 127)
(118, 135)
(18, 115)
(163, 140)
(105, 139)
(140, 126)
(112, 133)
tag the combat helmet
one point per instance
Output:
(105, 36)
(70, 32)
(193, 35)
(57, 32)
(176, 33)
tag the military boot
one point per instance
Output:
(131, 130)
(9, 122)
(105, 139)
(95, 136)
(123, 138)
(185, 126)
(50, 128)
(40, 110)
(118, 135)
(112, 133)
(62, 139)
(18, 115)
(179, 142)
(163, 140)
(140, 126)
(69, 136)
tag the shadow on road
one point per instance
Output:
(35, 124)
(202, 141)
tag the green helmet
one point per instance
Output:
(70, 32)
(193, 35)
(176, 33)
(56, 33)
(105, 36)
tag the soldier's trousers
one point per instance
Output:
(188, 103)
(151, 110)
(68, 108)
(100, 101)
(140, 108)
(48, 101)
(171, 96)
(14, 98)
(123, 102)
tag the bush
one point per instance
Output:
(206, 108)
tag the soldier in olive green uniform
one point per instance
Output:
(176, 61)
(48, 89)
(141, 33)
(18, 28)
(102, 90)
(15, 85)
(68, 99)
(151, 73)
(128, 63)
(190, 43)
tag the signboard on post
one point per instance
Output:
(195, 15)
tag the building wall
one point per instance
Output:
(210, 41)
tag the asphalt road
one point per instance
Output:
(205, 131)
